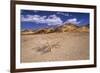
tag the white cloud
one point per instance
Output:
(50, 20)
(73, 20)
(64, 14)
(30, 18)
(54, 20)
(35, 11)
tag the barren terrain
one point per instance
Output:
(62, 46)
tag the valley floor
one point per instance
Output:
(55, 47)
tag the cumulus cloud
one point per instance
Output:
(54, 20)
(73, 20)
(30, 18)
(50, 20)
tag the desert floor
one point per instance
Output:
(55, 47)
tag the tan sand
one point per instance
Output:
(63, 46)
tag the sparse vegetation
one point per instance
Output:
(55, 47)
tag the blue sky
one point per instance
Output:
(35, 19)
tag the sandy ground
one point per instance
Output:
(55, 47)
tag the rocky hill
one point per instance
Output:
(68, 27)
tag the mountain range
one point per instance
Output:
(67, 27)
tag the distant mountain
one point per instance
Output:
(83, 29)
(87, 25)
(67, 27)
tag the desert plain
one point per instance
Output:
(63, 46)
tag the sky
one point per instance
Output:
(35, 19)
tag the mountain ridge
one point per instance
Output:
(67, 27)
